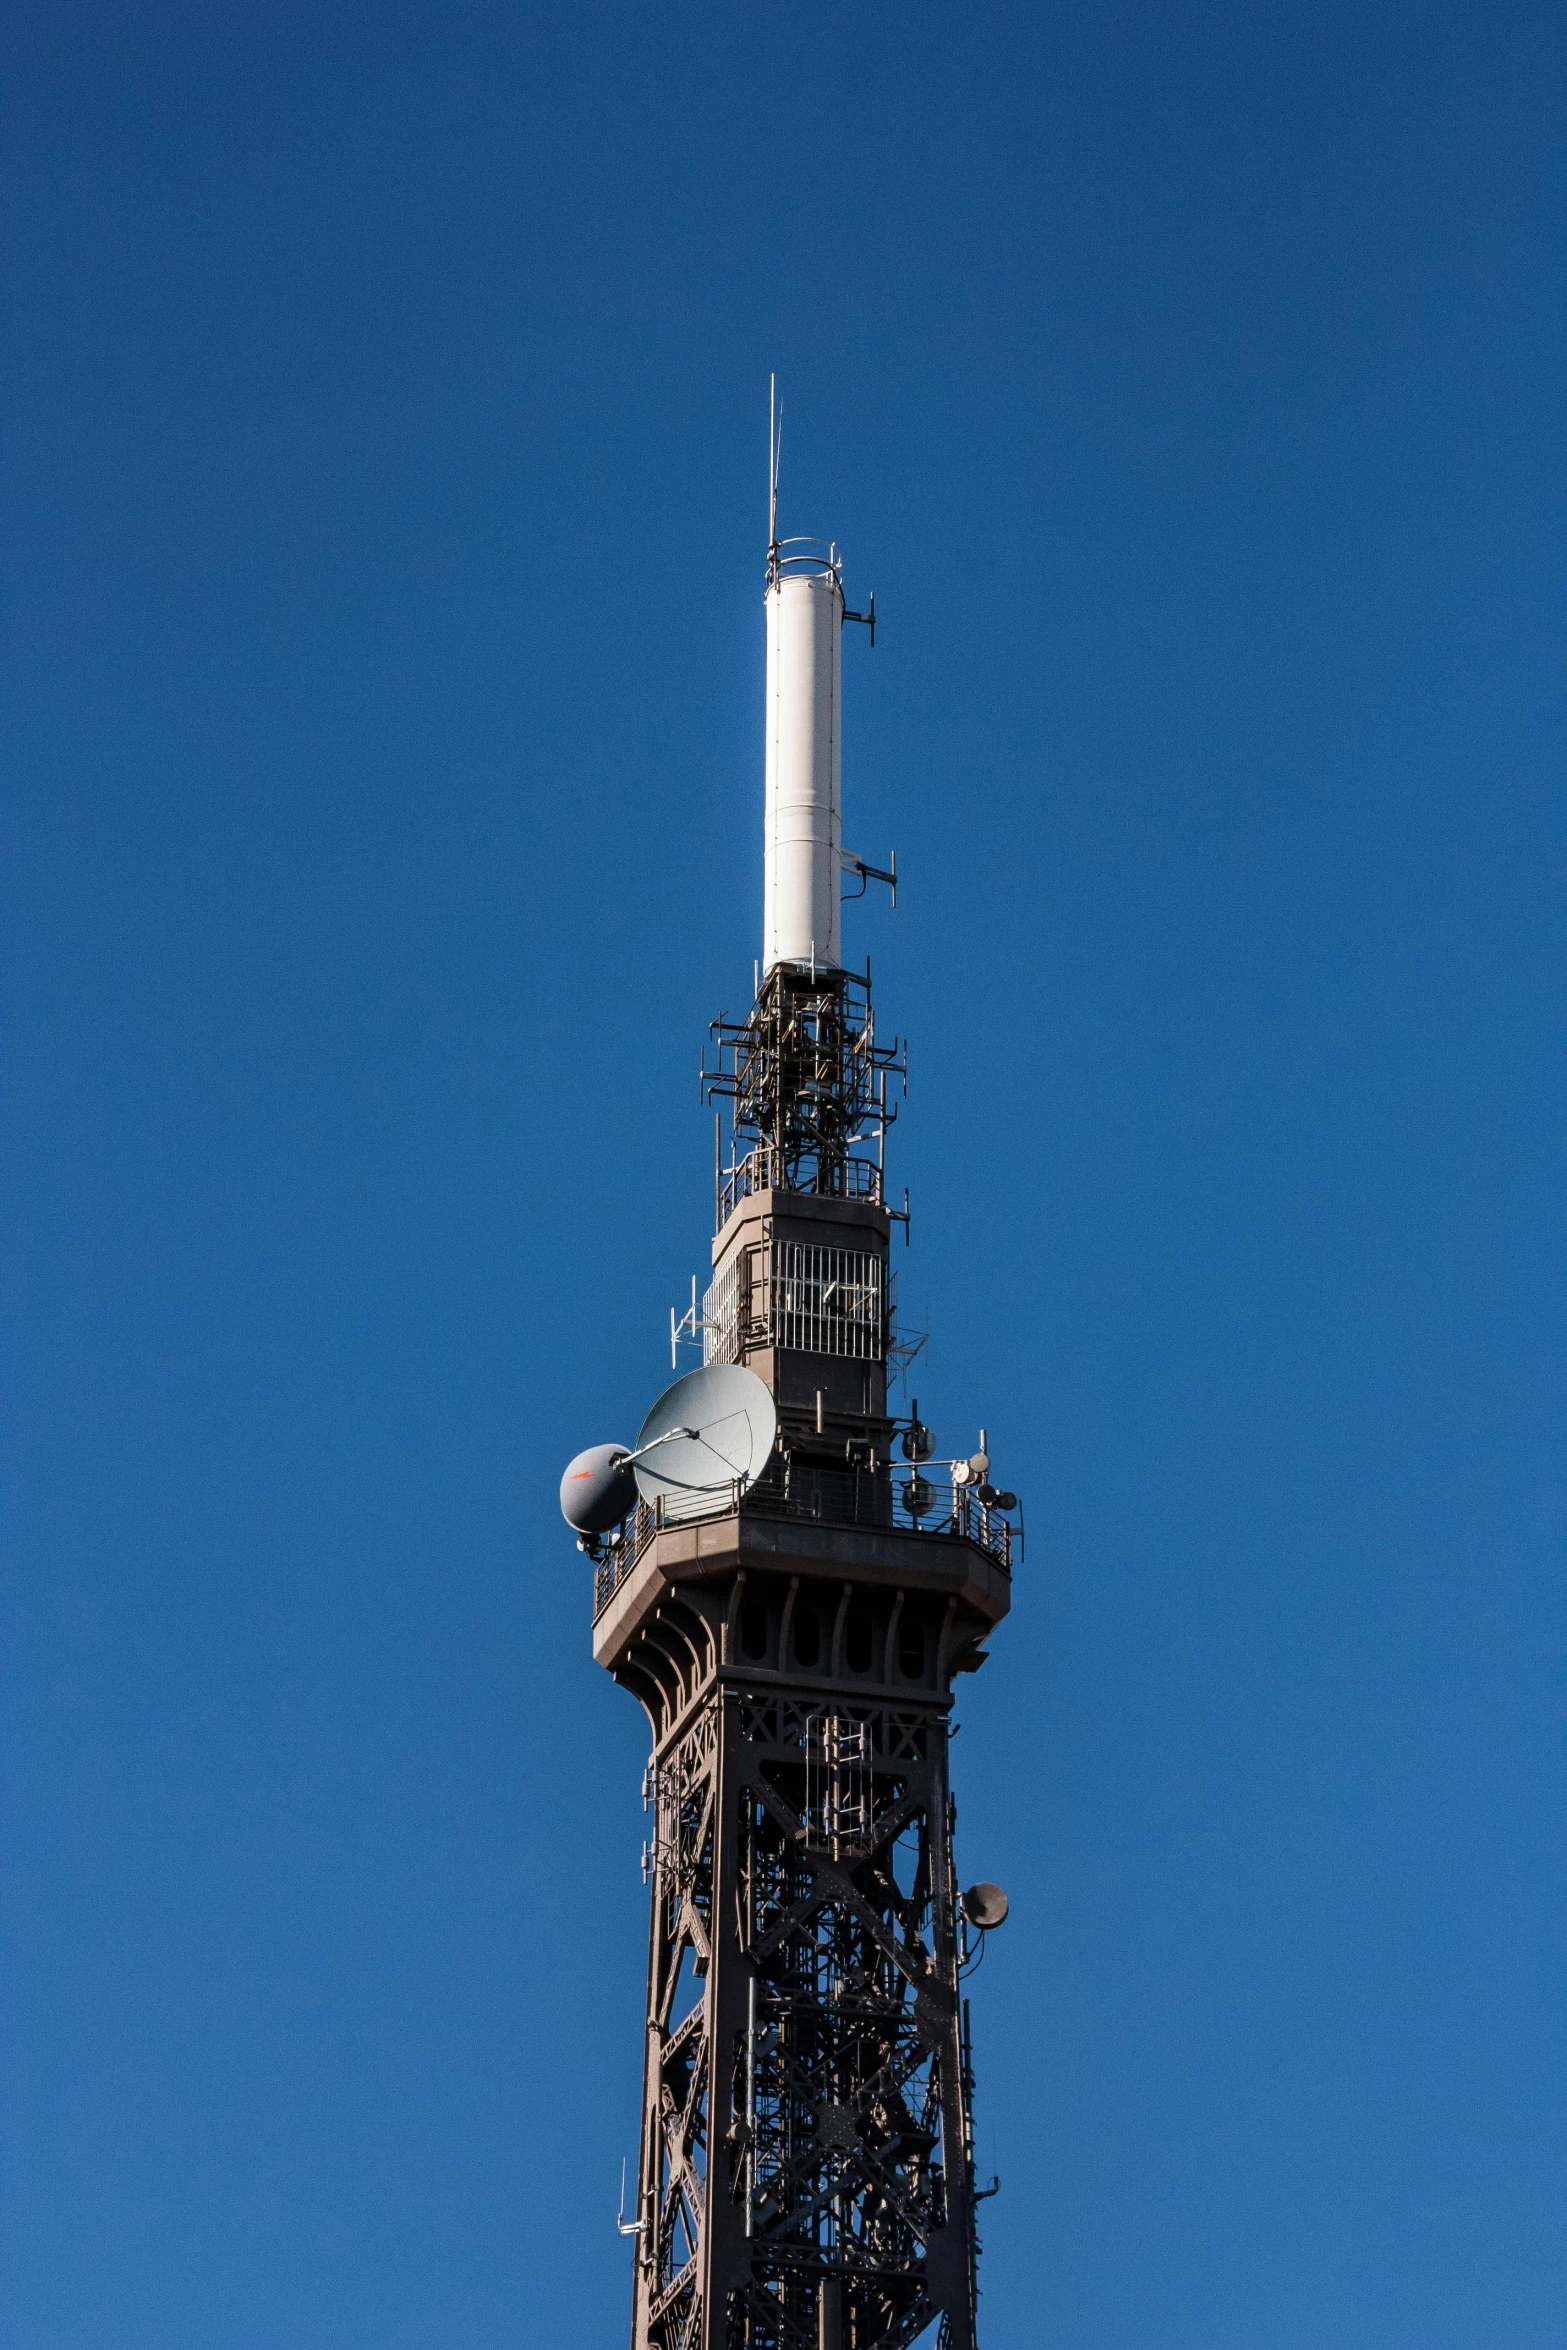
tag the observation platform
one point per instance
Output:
(959, 1551)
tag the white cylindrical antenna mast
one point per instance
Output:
(802, 922)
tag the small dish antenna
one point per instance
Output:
(709, 1435)
(918, 1442)
(985, 1906)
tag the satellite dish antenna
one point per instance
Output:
(706, 1438)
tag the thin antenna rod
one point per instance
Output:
(774, 454)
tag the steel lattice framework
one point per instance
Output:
(805, 1079)
(806, 2174)
(807, 2164)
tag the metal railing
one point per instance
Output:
(830, 1301)
(764, 1169)
(878, 1497)
(721, 1333)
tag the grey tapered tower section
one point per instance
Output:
(806, 2170)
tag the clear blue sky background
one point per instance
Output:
(385, 426)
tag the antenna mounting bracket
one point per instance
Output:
(867, 619)
(868, 873)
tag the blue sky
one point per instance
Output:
(385, 428)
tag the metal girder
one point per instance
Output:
(806, 2161)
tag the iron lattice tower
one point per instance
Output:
(806, 2169)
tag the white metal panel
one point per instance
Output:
(802, 916)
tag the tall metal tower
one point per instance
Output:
(806, 2175)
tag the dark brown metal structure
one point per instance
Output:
(806, 2171)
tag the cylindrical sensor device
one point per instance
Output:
(802, 919)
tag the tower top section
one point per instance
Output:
(804, 1074)
(802, 924)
